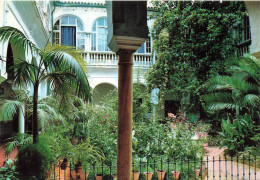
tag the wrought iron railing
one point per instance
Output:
(190, 169)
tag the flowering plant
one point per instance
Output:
(193, 124)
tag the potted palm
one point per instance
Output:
(99, 175)
(82, 154)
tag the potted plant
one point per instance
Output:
(81, 155)
(135, 175)
(148, 175)
(160, 174)
(175, 174)
(99, 174)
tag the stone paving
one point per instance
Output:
(227, 170)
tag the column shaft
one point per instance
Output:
(125, 104)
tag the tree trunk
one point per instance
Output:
(35, 114)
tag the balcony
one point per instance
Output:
(111, 59)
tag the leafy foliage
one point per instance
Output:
(238, 92)
(191, 41)
(237, 135)
(34, 160)
(62, 67)
(18, 140)
(9, 171)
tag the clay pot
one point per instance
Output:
(148, 175)
(73, 174)
(160, 174)
(175, 174)
(99, 177)
(135, 175)
(84, 176)
(197, 172)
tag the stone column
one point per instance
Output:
(21, 120)
(125, 104)
(127, 31)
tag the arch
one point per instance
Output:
(99, 34)
(71, 15)
(101, 91)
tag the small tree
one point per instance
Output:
(61, 66)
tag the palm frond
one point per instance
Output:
(58, 58)
(250, 101)
(18, 139)
(217, 106)
(18, 39)
(9, 109)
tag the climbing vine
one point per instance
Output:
(191, 41)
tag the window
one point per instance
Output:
(99, 35)
(146, 47)
(69, 31)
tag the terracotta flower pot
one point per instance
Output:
(148, 175)
(99, 177)
(135, 175)
(160, 174)
(73, 174)
(84, 176)
(175, 174)
(197, 172)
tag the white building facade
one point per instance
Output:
(84, 25)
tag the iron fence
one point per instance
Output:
(208, 168)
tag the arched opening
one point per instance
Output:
(101, 91)
(69, 30)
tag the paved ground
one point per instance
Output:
(227, 170)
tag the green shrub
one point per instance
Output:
(34, 160)
(237, 135)
(214, 140)
(9, 171)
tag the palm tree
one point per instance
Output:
(61, 66)
(240, 91)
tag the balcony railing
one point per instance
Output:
(111, 59)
